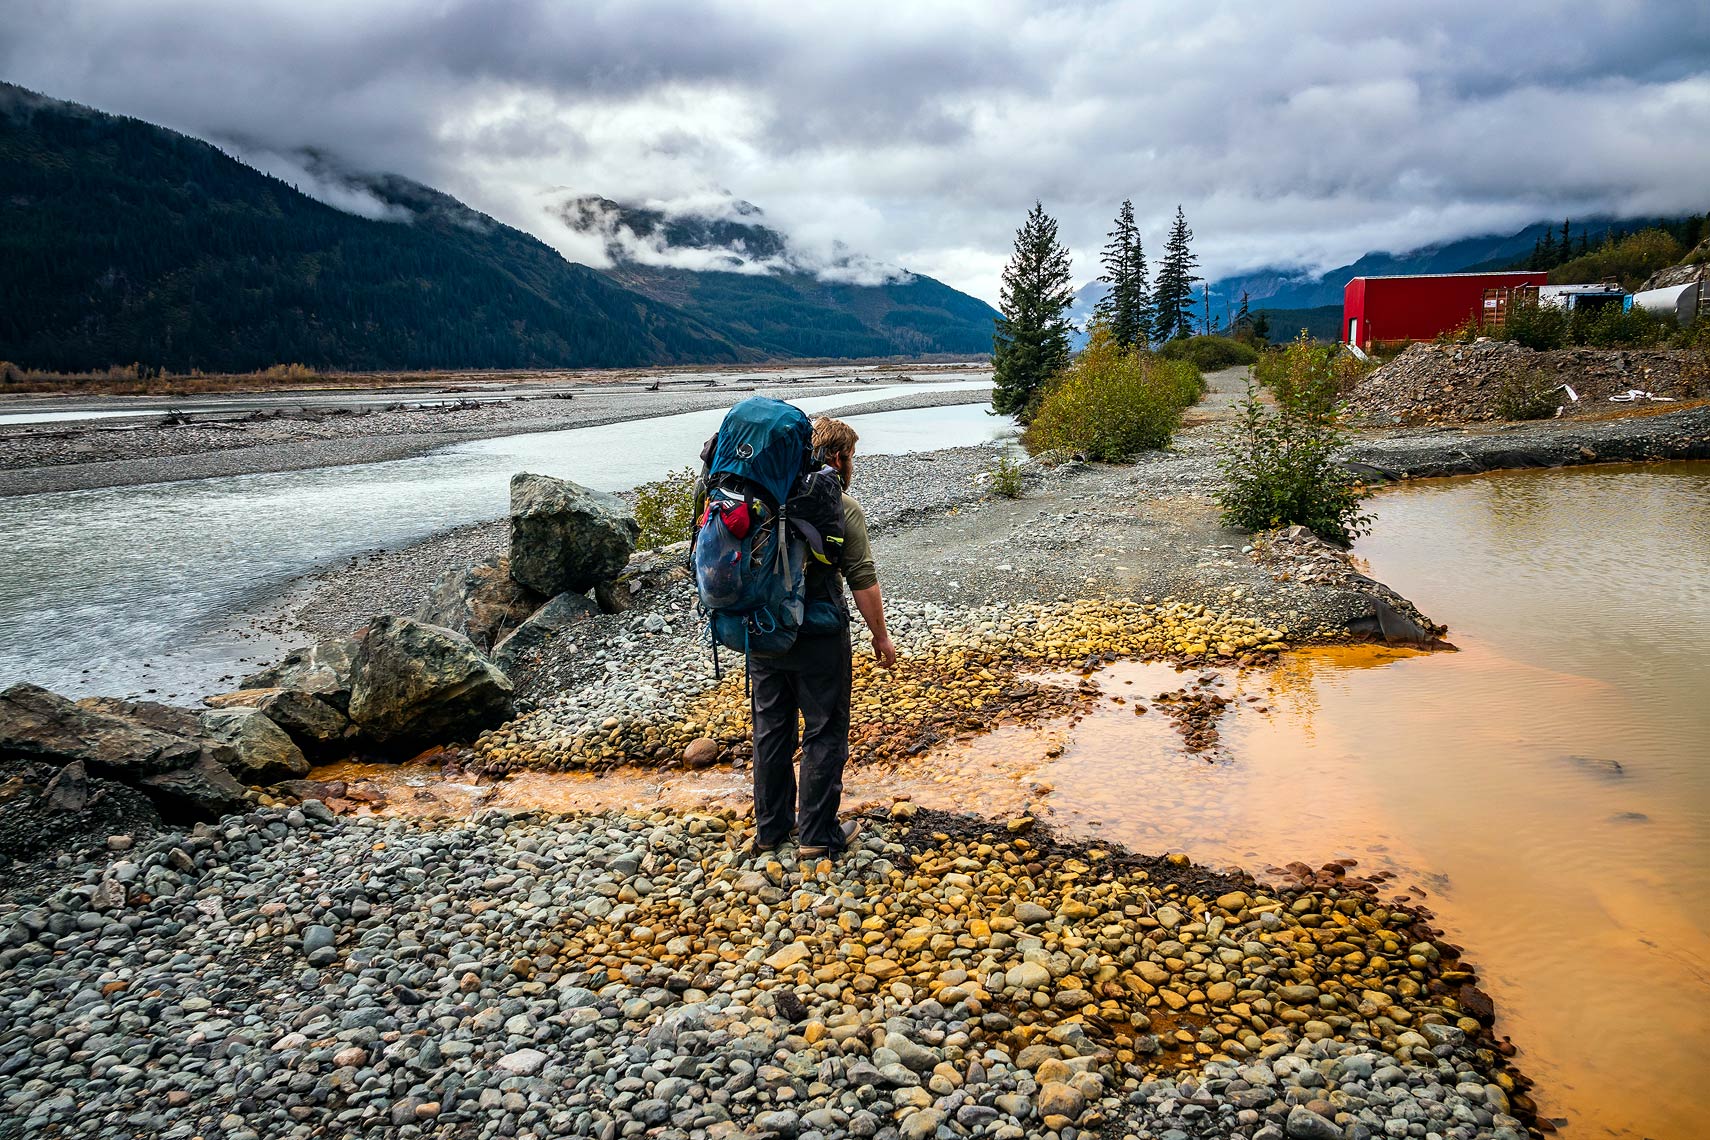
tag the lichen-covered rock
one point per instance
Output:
(416, 684)
(482, 602)
(263, 752)
(315, 724)
(547, 622)
(322, 669)
(566, 538)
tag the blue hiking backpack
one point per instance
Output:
(758, 525)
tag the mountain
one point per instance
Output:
(124, 241)
(737, 274)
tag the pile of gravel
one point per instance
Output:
(1460, 383)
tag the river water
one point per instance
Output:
(132, 590)
(1545, 791)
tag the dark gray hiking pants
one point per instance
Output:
(811, 680)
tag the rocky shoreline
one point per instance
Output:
(291, 970)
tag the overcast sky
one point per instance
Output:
(920, 133)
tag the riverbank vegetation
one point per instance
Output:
(1279, 467)
(665, 509)
(1112, 401)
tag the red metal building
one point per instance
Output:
(1418, 307)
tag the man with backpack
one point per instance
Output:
(776, 535)
(814, 679)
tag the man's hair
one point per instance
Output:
(833, 437)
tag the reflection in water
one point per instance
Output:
(131, 589)
(1545, 791)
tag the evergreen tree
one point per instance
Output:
(1243, 315)
(1205, 302)
(1031, 341)
(1172, 298)
(1127, 306)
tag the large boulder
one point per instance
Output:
(416, 684)
(548, 622)
(566, 538)
(36, 724)
(316, 725)
(482, 602)
(262, 751)
(322, 669)
(102, 740)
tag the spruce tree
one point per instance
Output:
(1172, 298)
(1126, 307)
(1031, 341)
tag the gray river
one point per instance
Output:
(133, 590)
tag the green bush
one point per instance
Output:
(665, 509)
(1536, 326)
(1112, 402)
(1279, 466)
(1526, 396)
(1006, 478)
(1210, 353)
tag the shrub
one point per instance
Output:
(1535, 326)
(1111, 402)
(1526, 396)
(1612, 327)
(1210, 353)
(1006, 478)
(1279, 466)
(665, 509)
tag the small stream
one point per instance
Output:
(132, 590)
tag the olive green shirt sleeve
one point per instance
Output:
(858, 568)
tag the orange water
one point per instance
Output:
(1547, 788)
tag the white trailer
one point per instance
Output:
(1679, 302)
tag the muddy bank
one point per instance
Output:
(1649, 435)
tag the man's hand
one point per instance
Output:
(883, 651)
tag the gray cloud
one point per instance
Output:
(1300, 134)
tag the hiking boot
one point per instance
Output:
(851, 828)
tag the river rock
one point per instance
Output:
(264, 752)
(566, 537)
(548, 622)
(69, 790)
(322, 669)
(416, 684)
(482, 602)
(38, 724)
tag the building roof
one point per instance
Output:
(1419, 276)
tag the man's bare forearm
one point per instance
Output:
(872, 606)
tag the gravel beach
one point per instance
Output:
(288, 974)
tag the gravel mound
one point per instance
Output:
(1460, 383)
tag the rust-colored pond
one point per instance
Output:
(1548, 786)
